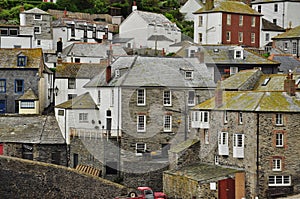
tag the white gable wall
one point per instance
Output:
(11, 42)
(211, 29)
(189, 8)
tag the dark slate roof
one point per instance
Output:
(84, 101)
(151, 17)
(92, 50)
(269, 26)
(203, 173)
(156, 71)
(79, 70)
(159, 38)
(9, 57)
(292, 33)
(30, 129)
(229, 7)
(29, 95)
(288, 62)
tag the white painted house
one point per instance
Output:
(284, 13)
(150, 30)
(189, 8)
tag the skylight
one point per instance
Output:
(266, 81)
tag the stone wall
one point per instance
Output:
(28, 179)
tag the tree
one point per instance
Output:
(101, 6)
(66, 4)
(46, 6)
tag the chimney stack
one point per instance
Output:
(218, 95)
(290, 84)
(59, 46)
(209, 4)
(108, 74)
(200, 56)
(134, 7)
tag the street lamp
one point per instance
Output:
(56, 90)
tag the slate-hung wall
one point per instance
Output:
(30, 80)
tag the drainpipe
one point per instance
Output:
(257, 155)
(67, 153)
(283, 14)
(297, 48)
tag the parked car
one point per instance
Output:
(143, 193)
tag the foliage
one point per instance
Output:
(66, 4)
(101, 6)
(46, 6)
(12, 15)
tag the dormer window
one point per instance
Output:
(117, 72)
(238, 54)
(188, 74)
(37, 17)
(21, 60)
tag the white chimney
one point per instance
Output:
(134, 7)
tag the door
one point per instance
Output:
(226, 189)
(55, 157)
(16, 106)
(2, 106)
(75, 160)
(108, 126)
(1, 149)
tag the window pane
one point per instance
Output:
(167, 97)
(2, 86)
(141, 96)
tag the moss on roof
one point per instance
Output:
(231, 7)
(183, 145)
(292, 33)
(203, 172)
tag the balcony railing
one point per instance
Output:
(95, 133)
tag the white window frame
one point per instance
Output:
(238, 145)
(267, 37)
(253, 20)
(38, 18)
(200, 24)
(294, 48)
(137, 148)
(228, 36)
(228, 19)
(279, 139)
(188, 74)
(241, 20)
(279, 119)
(225, 117)
(241, 35)
(238, 54)
(252, 37)
(83, 117)
(141, 123)
(240, 118)
(276, 164)
(206, 136)
(191, 102)
(167, 123)
(28, 104)
(279, 181)
(223, 143)
(39, 30)
(167, 98)
(200, 37)
(217, 160)
(233, 70)
(141, 97)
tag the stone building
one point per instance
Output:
(252, 125)
(35, 138)
(26, 83)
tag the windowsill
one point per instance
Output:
(141, 104)
(168, 105)
(83, 121)
(278, 124)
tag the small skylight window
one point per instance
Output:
(266, 81)
(188, 74)
(216, 50)
(298, 81)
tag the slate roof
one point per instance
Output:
(269, 26)
(292, 33)
(151, 17)
(288, 62)
(9, 57)
(92, 50)
(36, 11)
(79, 70)
(263, 98)
(203, 172)
(155, 71)
(229, 7)
(84, 101)
(159, 38)
(30, 129)
(28, 95)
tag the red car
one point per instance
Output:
(143, 193)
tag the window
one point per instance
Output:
(233, 70)
(276, 7)
(37, 17)
(200, 21)
(240, 118)
(77, 60)
(141, 97)
(275, 21)
(72, 30)
(238, 145)
(2, 85)
(99, 97)
(206, 136)
(192, 53)
(188, 74)
(61, 112)
(252, 37)
(141, 123)
(140, 148)
(71, 83)
(228, 19)
(200, 38)
(223, 143)
(38, 42)
(167, 123)
(279, 140)
(83, 117)
(21, 61)
(37, 30)
(238, 54)
(108, 113)
(278, 119)
(71, 96)
(267, 37)
(27, 104)
(241, 18)
(266, 81)
(167, 99)
(240, 36)
(294, 50)
(276, 164)
(191, 98)
(225, 117)
(13, 31)
(205, 116)
(3, 31)
(252, 21)
(259, 8)
(279, 180)
(112, 100)
(228, 36)
(19, 86)
(216, 160)
(285, 46)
